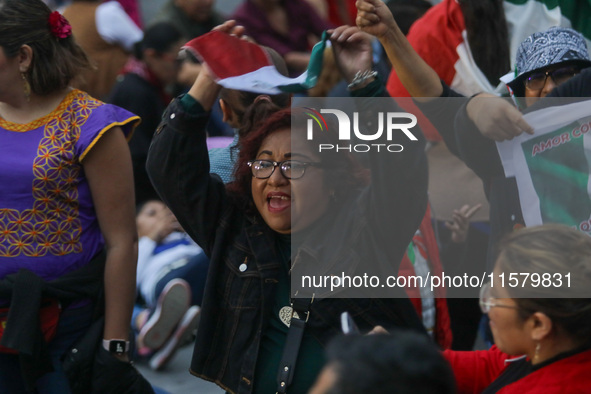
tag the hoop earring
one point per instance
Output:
(27, 87)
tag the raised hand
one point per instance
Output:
(374, 17)
(230, 27)
(352, 51)
(205, 90)
(461, 222)
(156, 221)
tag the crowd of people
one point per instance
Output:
(146, 207)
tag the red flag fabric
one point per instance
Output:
(228, 56)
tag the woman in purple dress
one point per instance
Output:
(67, 203)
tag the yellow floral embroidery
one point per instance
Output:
(52, 224)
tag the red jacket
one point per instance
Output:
(474, 371)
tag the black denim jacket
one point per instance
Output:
(237, 302)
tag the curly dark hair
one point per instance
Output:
(344, 175)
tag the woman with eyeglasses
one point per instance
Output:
(290, 207)
(470, 127)
(542, 337)
(546, 60)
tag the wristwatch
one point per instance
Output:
(116, 346)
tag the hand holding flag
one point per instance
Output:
(238, 64)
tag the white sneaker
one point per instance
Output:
(183, 335)
(172, 304)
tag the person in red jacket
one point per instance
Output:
(542, 345)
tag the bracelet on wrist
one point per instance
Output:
(360, 77)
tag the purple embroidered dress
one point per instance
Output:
(47, 220)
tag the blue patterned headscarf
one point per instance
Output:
(550, 47)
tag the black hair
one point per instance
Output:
(407, 12)
(404, 362)
(56, 61)
(159, 37)
(488, 36)
(240, 101)
(139, 206)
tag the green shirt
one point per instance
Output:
(311, 356)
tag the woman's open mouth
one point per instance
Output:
(278, 202)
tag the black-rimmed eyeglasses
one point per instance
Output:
(291, 169)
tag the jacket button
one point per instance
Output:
(172, 116)
(242, 267)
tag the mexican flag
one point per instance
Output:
(440, 38)
(242, 65)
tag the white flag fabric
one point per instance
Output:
(552, 166)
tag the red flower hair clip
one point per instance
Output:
(59, 26)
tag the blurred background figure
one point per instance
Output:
(402, 363)
(192, 17)
(341, 12)
(423, 258)
(107, 34)
(170, 280)
(289, 27)
(54, 4)
(407, 12)
(143, 87)
(337, 12)
(132, 8)
(455, 40)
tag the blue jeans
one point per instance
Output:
(72, 324)
(194, 272)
